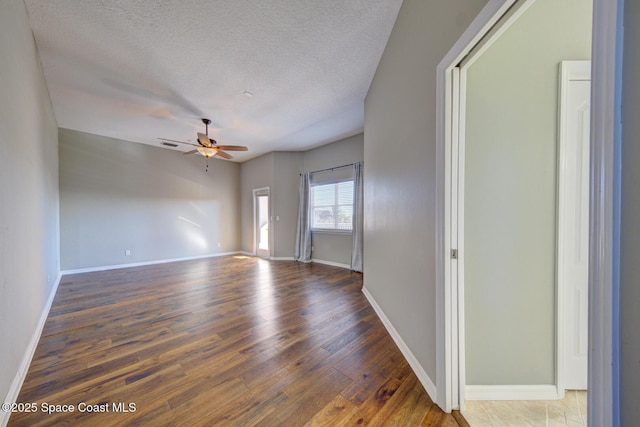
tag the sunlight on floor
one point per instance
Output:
(571, 411)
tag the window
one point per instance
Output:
(332, 206)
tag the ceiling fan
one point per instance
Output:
(208, 147)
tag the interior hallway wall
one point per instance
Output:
(400, 170)
(29, 200)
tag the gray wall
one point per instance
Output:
(630, 212)
(255, 173)
(29, 231)
(343, 152)
(400, 169)
(280, 171)
(510, 194)
(286, 178)
(117, 195)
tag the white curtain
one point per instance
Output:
(358, 215)
(302, 251)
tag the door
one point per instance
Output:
(573, 223)
(261, 222)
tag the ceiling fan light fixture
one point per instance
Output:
(206, 146)
(206, 151)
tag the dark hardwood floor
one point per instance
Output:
(236, 341)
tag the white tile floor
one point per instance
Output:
(571, 412)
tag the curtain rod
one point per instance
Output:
(332, 169)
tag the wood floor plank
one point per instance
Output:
(410, 411)
(394, 403)
(336, 413)
(374, 403)
(230, 341)
(309, 395)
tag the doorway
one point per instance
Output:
(503, 207)
(261, 222)
(603, 399)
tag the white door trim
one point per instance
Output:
(456, 182)
(569, 71)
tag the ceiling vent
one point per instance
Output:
(169, 144)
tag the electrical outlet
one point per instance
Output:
(218, 244)
(127, 252)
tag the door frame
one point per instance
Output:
(260, 192)
(603, 396)
(603, 399)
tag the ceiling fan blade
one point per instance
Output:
(232, 147)
(179, 142)
(224, 155)
(190, 152)
(204, 140)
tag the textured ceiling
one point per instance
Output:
(138, 70)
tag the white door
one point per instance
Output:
(573, 223)
(261, 223)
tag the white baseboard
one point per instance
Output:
(138, 264)
(512, 392)
(422, 375)
(18, 380)
(281, 258)
(334, 264)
